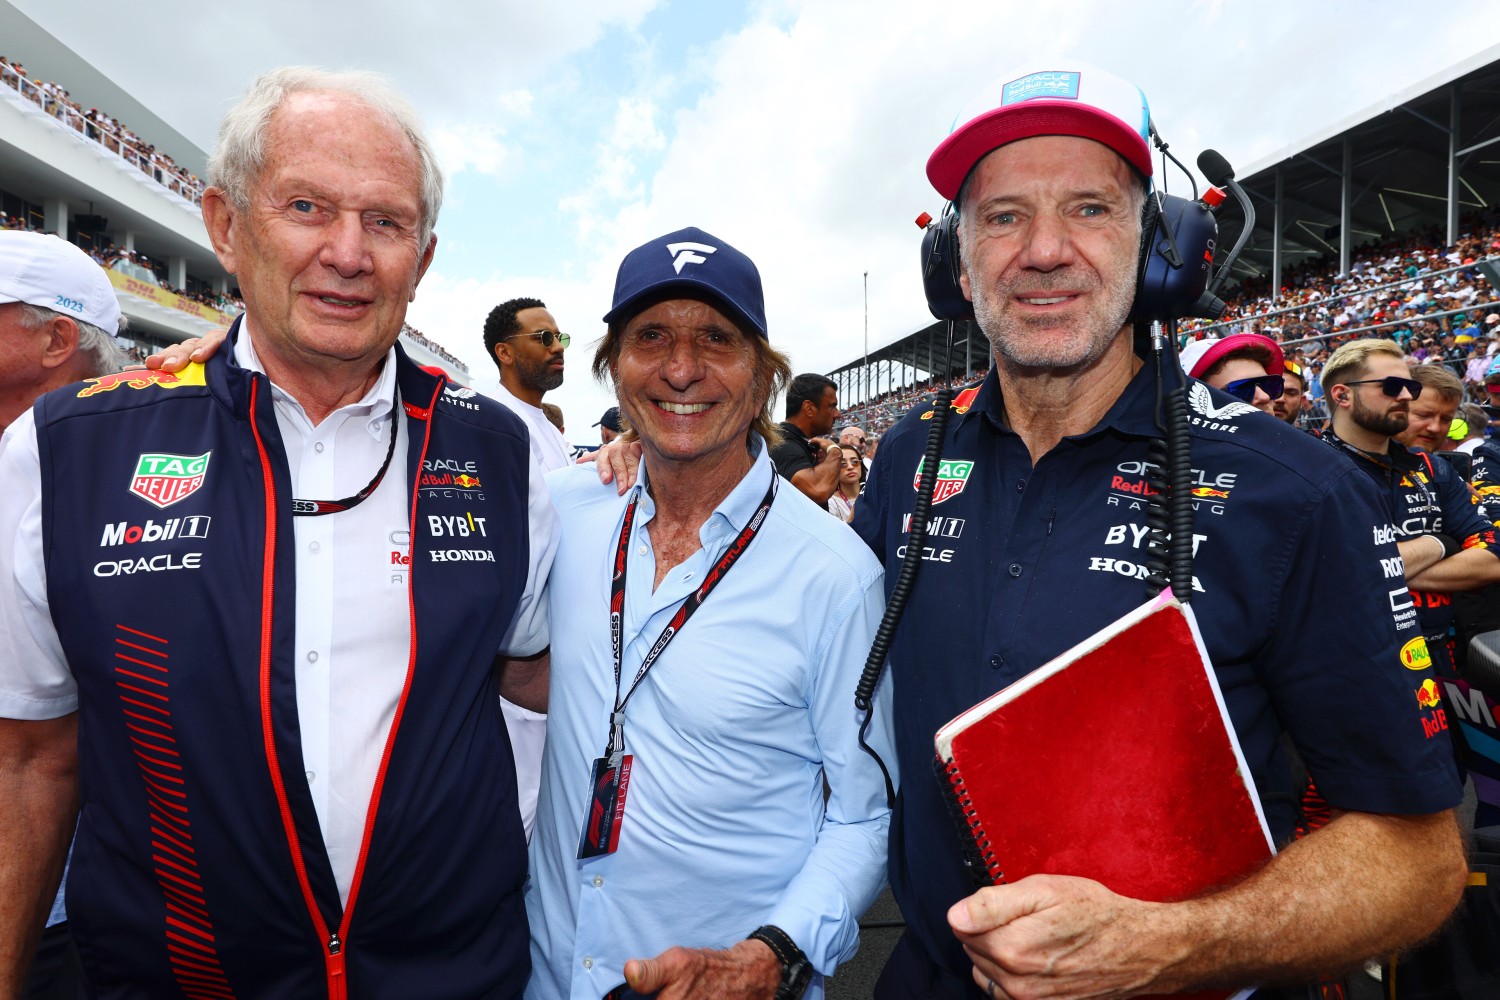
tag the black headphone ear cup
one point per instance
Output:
(1169, 289)
(941, 268)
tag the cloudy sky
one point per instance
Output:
(797, 130)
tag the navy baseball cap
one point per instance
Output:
(611, 419)
(691, 264)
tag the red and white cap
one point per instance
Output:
(1077, 100)
(1201, 355)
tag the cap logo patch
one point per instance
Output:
(688, 253)
(1052, 84)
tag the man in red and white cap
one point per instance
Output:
(1248, 366)
(1046, 495)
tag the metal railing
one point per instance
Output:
(106, 137)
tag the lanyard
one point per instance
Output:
(684, 611)
(317, 508)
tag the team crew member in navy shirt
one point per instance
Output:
(1041, 504)
(1445, 544)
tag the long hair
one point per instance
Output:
(773, 370)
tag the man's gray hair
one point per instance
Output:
(241, 153)
(98, 351)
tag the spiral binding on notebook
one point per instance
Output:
(978, 850)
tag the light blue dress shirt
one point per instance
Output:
(732, 732)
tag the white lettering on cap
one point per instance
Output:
(687, 253)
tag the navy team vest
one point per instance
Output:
(199, 868)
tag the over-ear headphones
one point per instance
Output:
(940, 267)
(1177, 251)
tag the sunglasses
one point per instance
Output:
(1244, 388)
(546, 337)
(1392, 385)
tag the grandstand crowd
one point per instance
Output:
(98, 127)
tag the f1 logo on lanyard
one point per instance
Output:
(610, 778)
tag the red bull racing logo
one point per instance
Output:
(162, 480)
(952, 477)
(1427, 694)
(143, 378)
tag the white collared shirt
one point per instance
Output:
(352, 629)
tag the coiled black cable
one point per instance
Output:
(895, 605)
(1169, 475)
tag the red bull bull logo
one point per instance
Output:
(143, 378)
(1207, 492)
(467, 482)
(1427, 694)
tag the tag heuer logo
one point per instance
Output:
(162, 480)
(952, 476)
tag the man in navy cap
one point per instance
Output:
(708, 636)
(1046, 473)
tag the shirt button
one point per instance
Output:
(1020, 486)
(312, 656)
(1015, 569)
(588, 963)
(310, 777)
(641, 551)
(598, 881)
(996, 662)
(314, 547)
(318, 447)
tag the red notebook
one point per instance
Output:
(1116, 762)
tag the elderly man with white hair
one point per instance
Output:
(298, 783)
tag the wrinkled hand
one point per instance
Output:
(176, 357)
(1058, 936)
(747, 971)
(617, 463)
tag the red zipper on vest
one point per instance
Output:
(411, 669)
(333, 951)
(333, 941)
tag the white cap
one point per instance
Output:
(49, 272)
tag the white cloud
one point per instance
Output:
(807, 142)
(615, 183)
(480, 146)
(800, 137)
(449, 56)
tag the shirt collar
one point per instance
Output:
(1133, 413)
(1397, 456)
(374, 406)
(734, 511)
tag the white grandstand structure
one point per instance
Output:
(64, 170)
